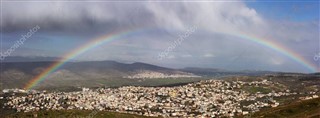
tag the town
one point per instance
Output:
(207, 98)
(143, 74)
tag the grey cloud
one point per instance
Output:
(84, 15)
(70, 15)
(216, 22)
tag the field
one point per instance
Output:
(300, 109)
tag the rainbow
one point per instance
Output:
(117, 35)
(75, 53)
(280, 49)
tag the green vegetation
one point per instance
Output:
(253, 90)
(148, 82)
(301, 109)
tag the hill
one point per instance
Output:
(91, 74)
(300, 109)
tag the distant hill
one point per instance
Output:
(215, 72)
(17, 72)
(29, 59)
(80, 74)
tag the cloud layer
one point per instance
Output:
(212, 44)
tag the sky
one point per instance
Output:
(190, 34)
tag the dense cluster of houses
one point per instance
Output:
(143, 74)
(210, 98)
